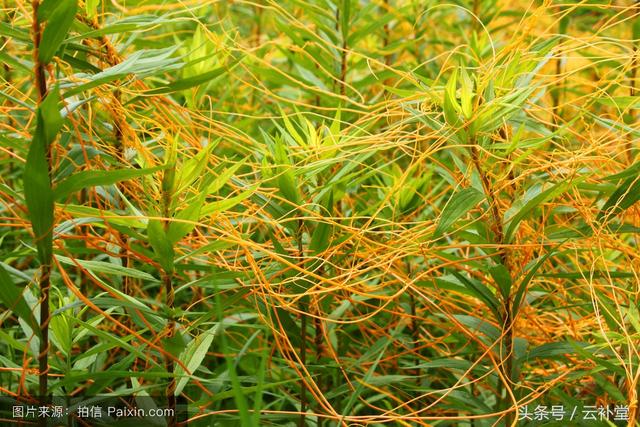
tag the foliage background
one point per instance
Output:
(352, 212)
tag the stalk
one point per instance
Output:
(171, 387)
(507, 315)
(319, 346)
(343, 68)
(8, 77)
(475, 17)
(303, 339)
(343, 53)
(257, 34)
(387, 36)
(167, 281)
(414, 325)
(45, 271)
(633, 79)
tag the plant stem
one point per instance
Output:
(387, 36)
(167, 281)
(343, 55)
(633, 85)
(303, 338)
(343, 68)
(39, 68)
(507, 315)
(171, 387)
(45, 275)
(303, 361)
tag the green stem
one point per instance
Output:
(507, 315)
(45, 277)
(387, 36)
(171, 387)
(303, 338)
(343, 56)
(633, 86)
(167, 280)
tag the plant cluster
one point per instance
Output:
(323, 212)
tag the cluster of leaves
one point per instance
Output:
(322, 212)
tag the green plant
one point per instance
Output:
(321, 212)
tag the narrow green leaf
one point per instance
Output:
(451, 106)
(161, 245)
(503, 278)
(191, 81)
(56, 29)
(226, 204)
(531, 271)
(192, 169)
(107, 268)
(481, 292)
(461, 203)
(14, 32)
(12, 298)
(223, 178)
(193, 355)
(551, 350)
(345, 18)
(623, 198)
(466, 94)
(515, 219)
(322, 233)
(382, 343)
(141, 63)
(37, 183)
(91, 7)
(186, 219)
(93, 178)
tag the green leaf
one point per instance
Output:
(107, 268)
(174, 344)
(225, 204)
(503, 278)
(322, 233)
(12, 298)
(91, 7)
(141, 63)
(37, 183)
(58, 25)
(50, 117)
(516, 217)
(481, 292)
(47, 7)
(479, 325)
(451, 106)
(285, 176)
(223, 178)
(620, 102)
(191, 81)
(382, 344)
(345, 18)
(130, 24)
(552, 350)
(461, 203)
(93, 178)
(531, 269)
(623, 198)
(466, 94)
(14, 32)
(632, 170)
(186, 219)
(161, 245)
(192, 169)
